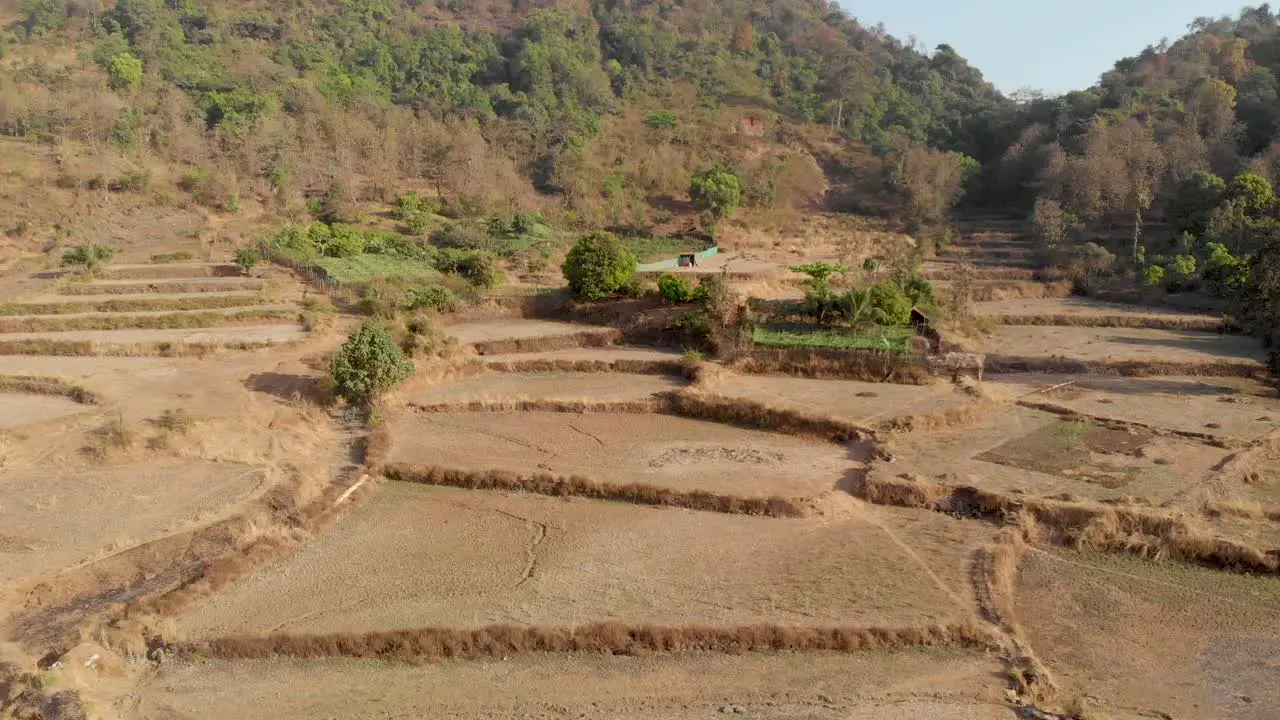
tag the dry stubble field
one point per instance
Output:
(1116, 546)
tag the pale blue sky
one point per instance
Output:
(1050, 45)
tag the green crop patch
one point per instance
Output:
(890, 339)
(362, 268)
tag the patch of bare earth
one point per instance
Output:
(868, 686)
(248, 333)
(513, 329)
(858, 402)
(1086, 343)
(1035, 453)
(658, 450)
(595, 387)
(1077, 307)
(19, 409)
(416, 556)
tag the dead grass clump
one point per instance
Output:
(849, 365)
(210, 302)
(436, 643)
(175, 421)
(750, 414)
(1020, 290)
(598, 337)
(1124, 368)
(1149, 533)
(177, 320)
(80, 348)
(556, 406)
(577, 486)
(113, 436)
(22, 695)
(953, 417)
(1152, 322)
(48, 386)
(1246, 510)
(621, 365)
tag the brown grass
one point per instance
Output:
(167, 272)
(543, 405)
(637, 367)
(74, 348)
(212, 302)
(984, 273)
(164, 287)
(953, 417)
(1124, 368)
(995, 574)
(501, 641)
(1145, 532)
(23, 695)
(170, 321)
(849, 365)
(48, 386)
(577, 486)
(1152, 322)
(602, 337)
(1020, 290)
(1245, 510)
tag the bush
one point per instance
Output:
(920, 290)
(661, 120)
(893, 302)
(1183, 265)
(598, 266)
(423, 337)
(480, 269)
(89, 257)
(464, 236)
(418, 222)
(246, 258)
(1152, 275)
(676, 289)
(124, 71)
(136, 181)
(433, 297)
(368, 364)
(1224, 274)
(343, 241)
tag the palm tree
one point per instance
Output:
(859, 309)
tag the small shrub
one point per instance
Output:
(598, 266)
(431, 297)
(337, 205)
(418, 222)
(675, 289)
(464, 236)
(382, 300)
(136, 181)
(661, 120)
(692, 358)
(368, 365)
(423, 337)
(480, 269)
(1153, 275)
(89, 257)
(246, 258)
(124, 71)
(893, 302)
(175, 421)
(173, 257)
(920, 290)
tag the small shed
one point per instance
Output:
(688, 260)
(920, 320)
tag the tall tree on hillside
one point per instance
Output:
(931, 182)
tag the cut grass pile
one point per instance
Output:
(368, 266)
(891, 339)
(211, 302)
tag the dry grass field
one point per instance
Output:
(1154, 637)
(468, 559)
(623, 448)
(868, 686)
(538, 527)
(1121, 344)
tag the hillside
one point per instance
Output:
(599, 109)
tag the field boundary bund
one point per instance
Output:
(579, 486)
(41, 385)
(1149, 322)
(432, 643)
(1056, 365)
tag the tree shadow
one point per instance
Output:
(287, 387)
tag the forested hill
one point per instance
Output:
(599, 104)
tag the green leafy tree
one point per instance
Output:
(675, 289)
(715, 193)
(89, 257)
(1194, 201)
(481, 269)
(1153, 275)
(598, 266)
(246, 258)
(1252, 192)
(1183, 266)
(819, 298)
(893, 302)
(125, 71)
(368, 365)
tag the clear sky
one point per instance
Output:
(1050, 45)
